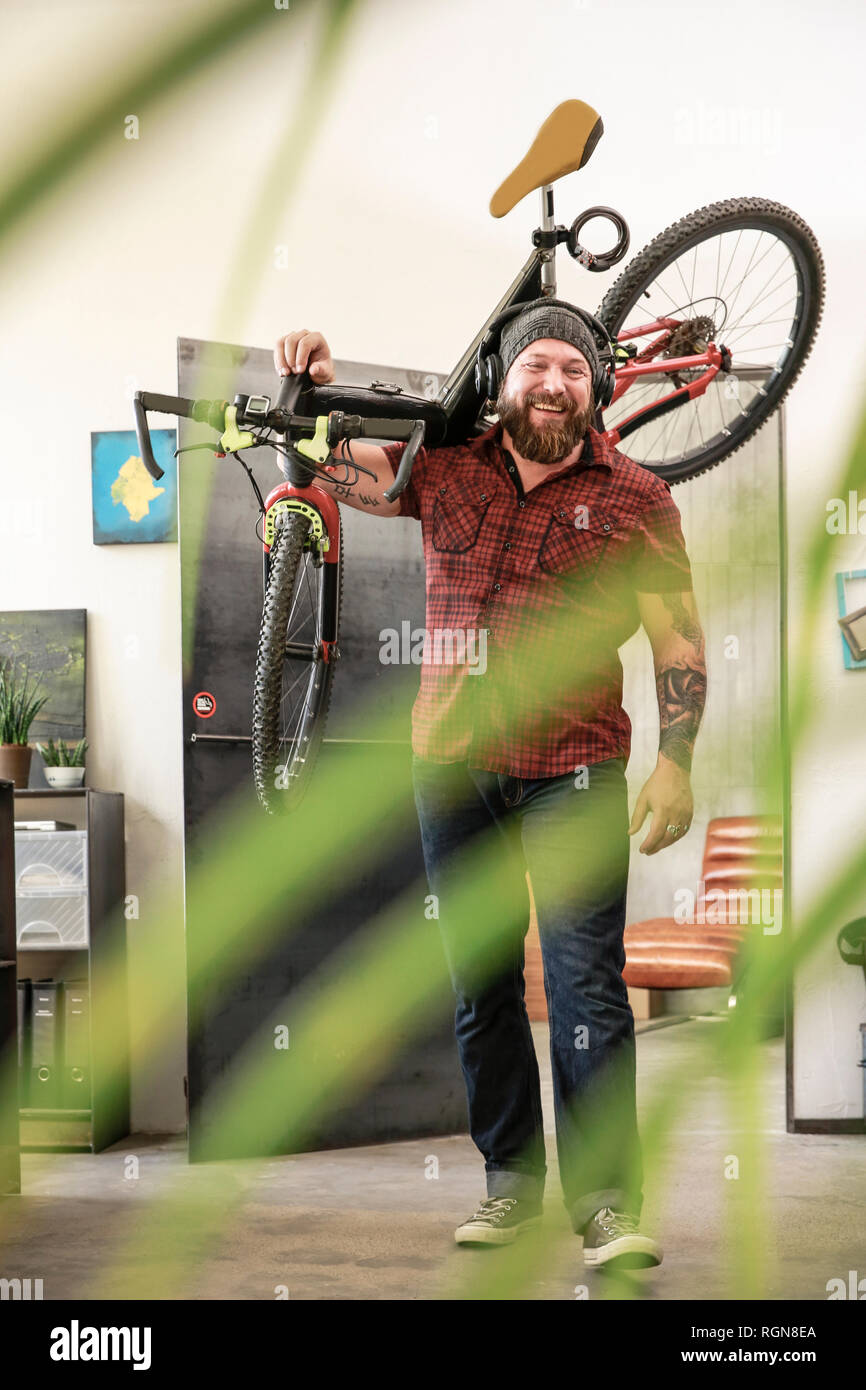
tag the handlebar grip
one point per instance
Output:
(406, 462)
(143, 434)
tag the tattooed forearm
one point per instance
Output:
(359, 480)
(683, 621)
(682, 693)
(673, 627)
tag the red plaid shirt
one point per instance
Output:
(529, 597)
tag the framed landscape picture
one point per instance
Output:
(50, 642)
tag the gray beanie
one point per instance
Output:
(547, 321)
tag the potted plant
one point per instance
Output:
(64, 764)
(19, 706)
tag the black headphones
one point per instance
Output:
(488, 364)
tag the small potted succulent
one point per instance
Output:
(19, 706)
(64, 763)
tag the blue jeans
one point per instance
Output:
(481, 831)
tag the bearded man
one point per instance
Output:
(548, 549)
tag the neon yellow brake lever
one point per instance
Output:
(317, 447)
(232, 438)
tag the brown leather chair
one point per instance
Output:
(742, 856)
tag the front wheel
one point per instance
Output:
(294, 663)
(746, 274)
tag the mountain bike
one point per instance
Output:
(702, 337)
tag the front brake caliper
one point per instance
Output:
(317, 541)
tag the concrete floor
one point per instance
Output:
(368, 1224)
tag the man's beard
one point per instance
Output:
(548, 443)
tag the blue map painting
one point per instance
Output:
(128, 505)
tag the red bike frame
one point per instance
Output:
(713, 359)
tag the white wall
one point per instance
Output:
(394, 255)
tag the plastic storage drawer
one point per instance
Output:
(50, 863)
(49, 924)
(51, 889)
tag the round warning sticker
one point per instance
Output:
(203, 704)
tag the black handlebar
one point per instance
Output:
(205, 412)
(406, 462)
(145, 448)
(403, 424)
(290, 389)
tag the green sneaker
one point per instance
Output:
(613, 1238)
(499, 1221)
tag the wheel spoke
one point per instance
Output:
(745, 275)
(697, 414)
(720, 289)
(684, 285)
(714, 388)
(665, 425)
(759, 323)
(769, 289)
(684, 449)
(656, 286)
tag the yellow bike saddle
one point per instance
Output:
(564, 143)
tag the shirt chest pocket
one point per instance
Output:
(574, 544)
(458, 515)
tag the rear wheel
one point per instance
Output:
(746, 274)
(293, 673)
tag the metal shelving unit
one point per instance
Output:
(101, 962)
(10, 1167)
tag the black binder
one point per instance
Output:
(23, 1038)
(45, 1074)
(75, 1090)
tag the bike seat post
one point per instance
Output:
(548, 258)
